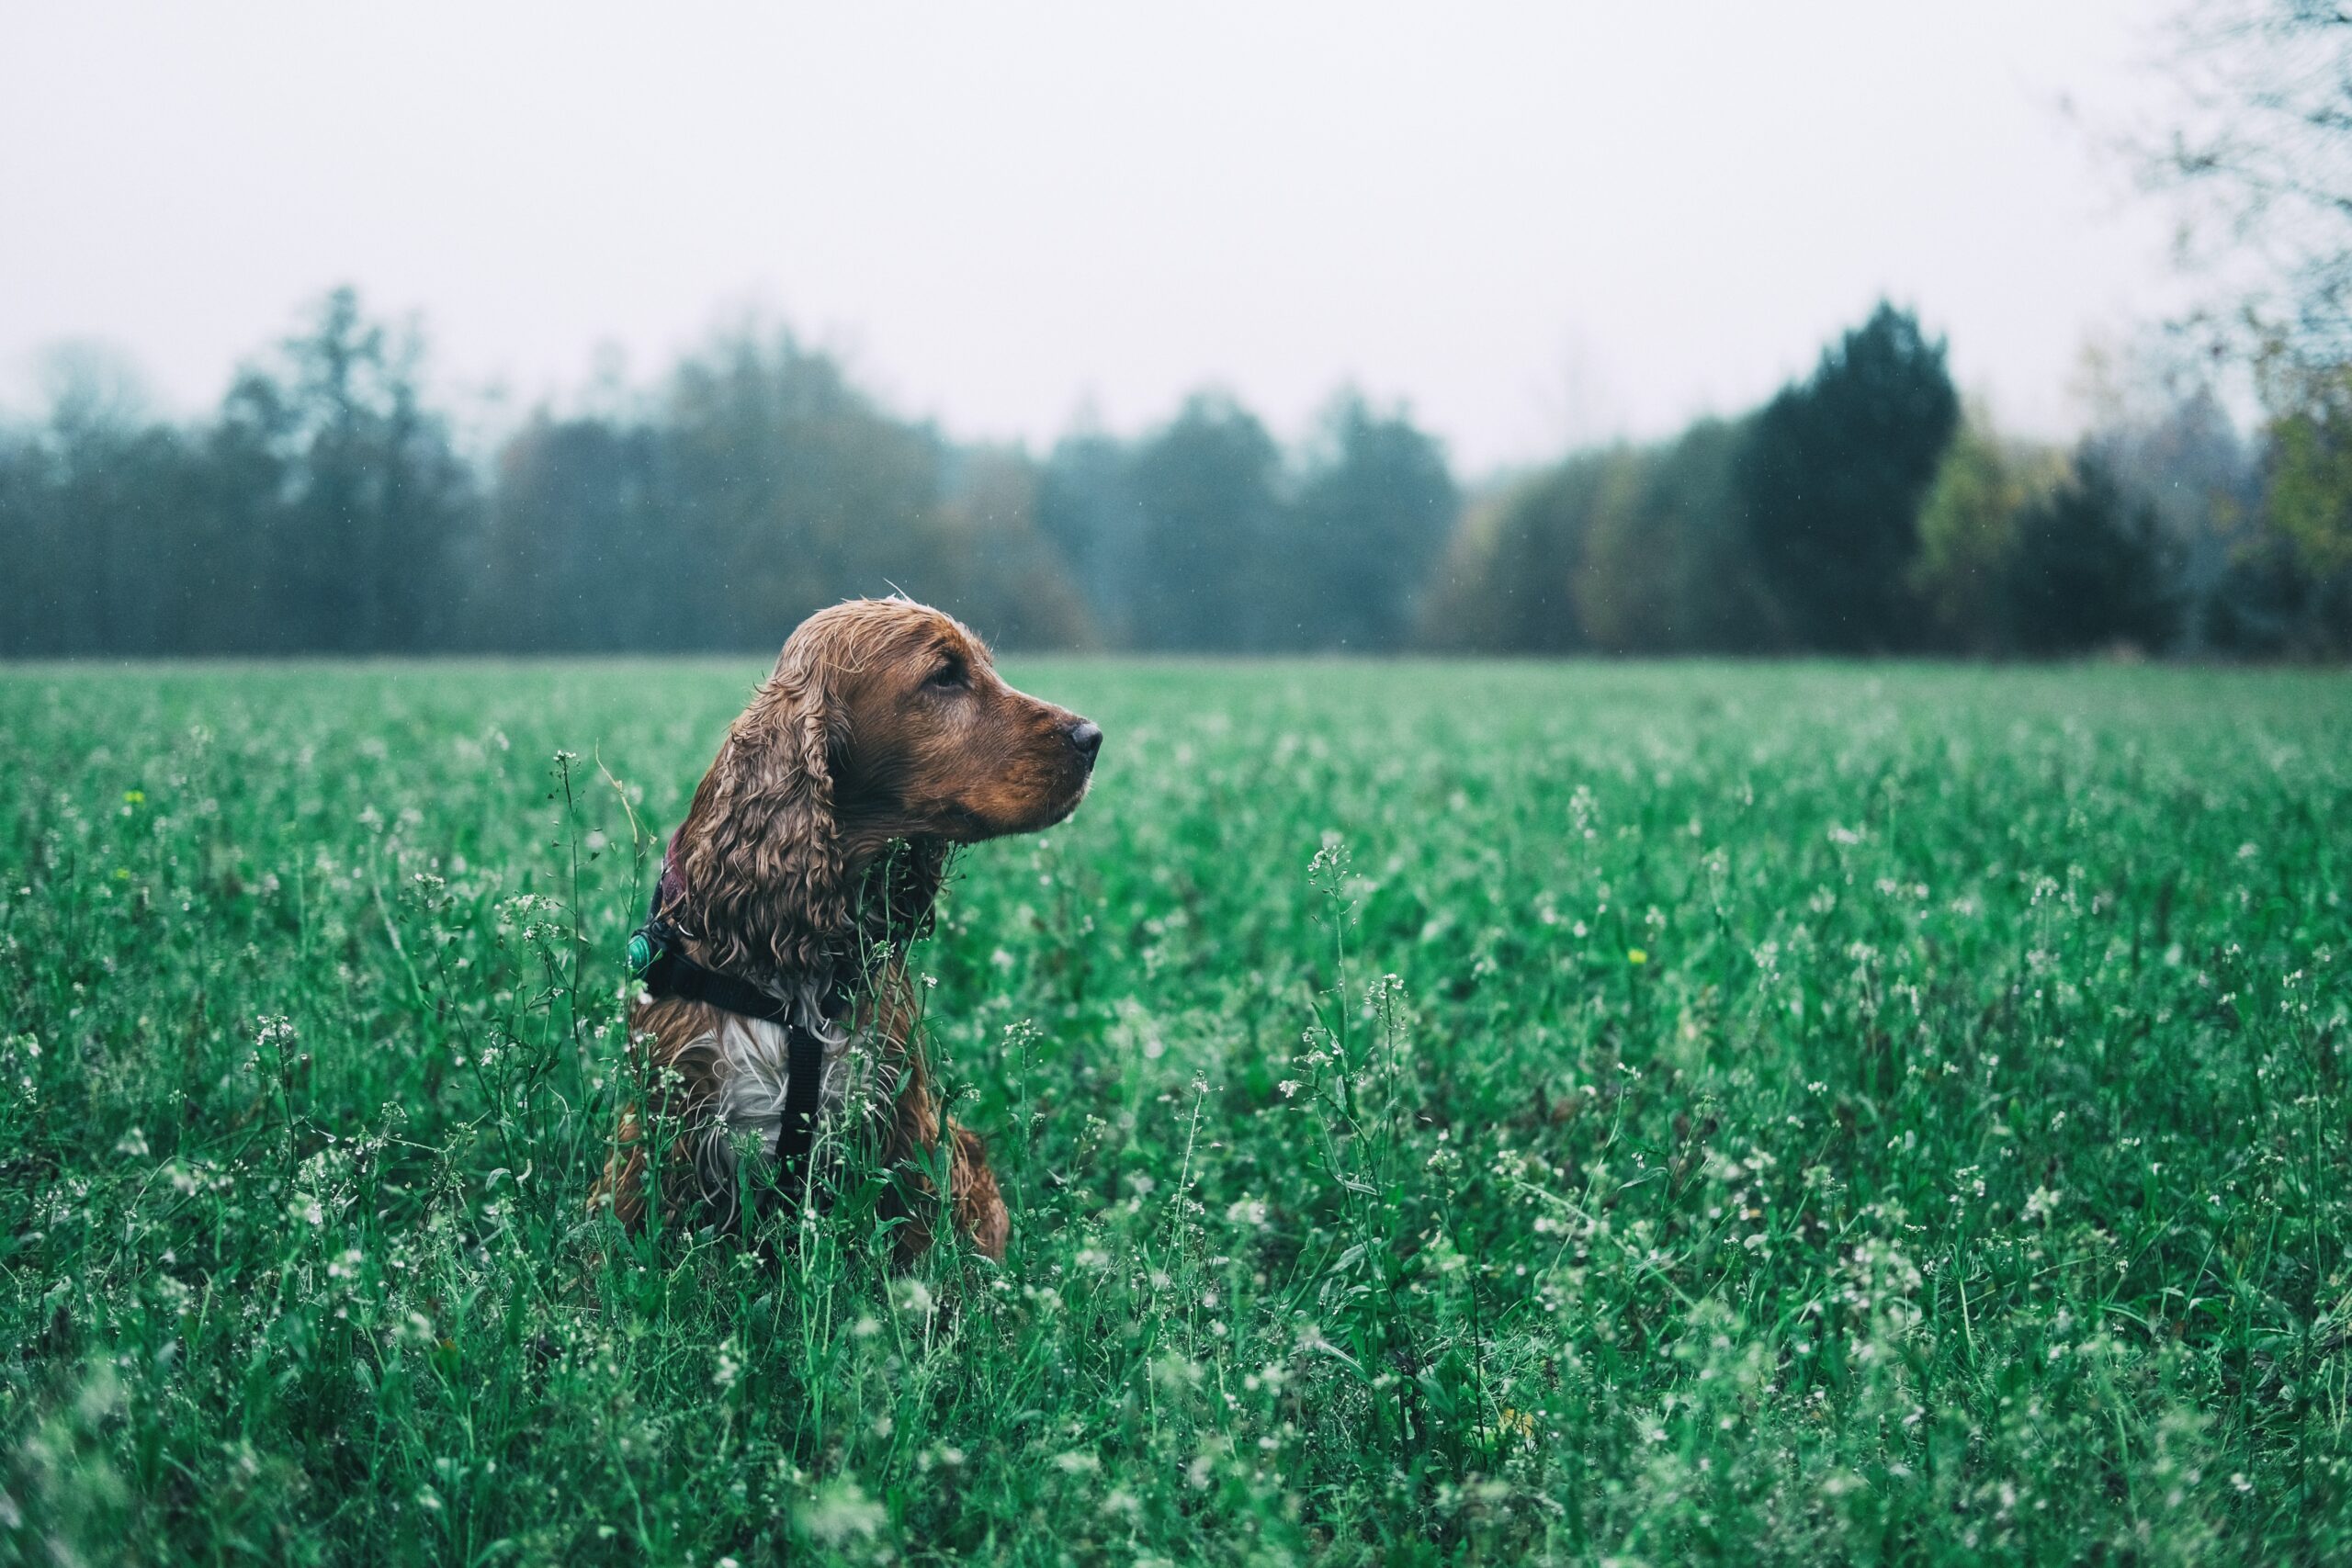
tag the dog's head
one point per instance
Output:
(882, 719)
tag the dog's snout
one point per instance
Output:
(1087, 736)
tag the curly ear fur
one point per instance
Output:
(765, 872)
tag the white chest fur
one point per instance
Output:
(753, 1061)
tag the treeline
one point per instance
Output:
(326, 507)
(1865, 510)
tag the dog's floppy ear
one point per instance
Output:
(762, 856)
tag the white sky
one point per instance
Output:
(1538, 223)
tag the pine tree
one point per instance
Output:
(1832, 481)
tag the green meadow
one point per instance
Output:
(1450, 1112)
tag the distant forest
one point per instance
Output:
(326, 507)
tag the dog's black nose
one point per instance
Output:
(1087, 736)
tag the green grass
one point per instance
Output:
(1466, 1112)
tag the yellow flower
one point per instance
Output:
(135, 796)
(123, 873)
(1638, 955)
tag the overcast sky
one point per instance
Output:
(1538, 224)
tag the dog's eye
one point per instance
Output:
(948, 677)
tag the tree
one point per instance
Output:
(94, 517)
(2311, 477)
(1664, 568)
(2260, 154)
(1830, 483)
(1206, 487)
(1003, 576)
(790, 488)
(2300, 579)
(2261, 159)
(2089, 569)
(580, 552)
(352, 484)
(2174, 448)
(1509, 584)
(1628, 549)
(29, 536)
(1088, 511)
(1373, 513)
(1968, 530)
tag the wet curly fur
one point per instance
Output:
(809, 861)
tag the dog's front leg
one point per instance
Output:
(918, 1137)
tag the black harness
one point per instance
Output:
(657, 956)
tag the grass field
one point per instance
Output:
(1467, 1112)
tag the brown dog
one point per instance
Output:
(809, 861)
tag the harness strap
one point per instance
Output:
(656, 953)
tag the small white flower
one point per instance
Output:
(839, 1510)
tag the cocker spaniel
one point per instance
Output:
(779, 935)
